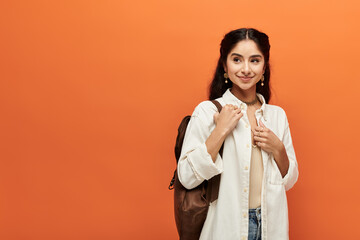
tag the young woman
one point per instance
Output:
(258, 164)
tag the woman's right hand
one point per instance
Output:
(228, 118)
(225, 122)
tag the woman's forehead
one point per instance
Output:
(246, 48)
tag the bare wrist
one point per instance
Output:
(222, 133)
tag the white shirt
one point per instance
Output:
(227, 217)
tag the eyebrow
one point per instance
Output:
(241, 55)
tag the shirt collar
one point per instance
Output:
(231, 99)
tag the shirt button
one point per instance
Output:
(245, 189)
(244, 215)
(246, 167)
(246, 126)
(244, 238)
(242, 106)
(247, 145)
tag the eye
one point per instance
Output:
(236, 59)
(255, 60)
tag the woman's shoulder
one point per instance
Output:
(204, 108)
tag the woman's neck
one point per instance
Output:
(244, 96)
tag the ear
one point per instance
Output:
(224, 66)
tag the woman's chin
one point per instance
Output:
(244, 86)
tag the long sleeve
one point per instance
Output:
(195, 163)
(292, 175)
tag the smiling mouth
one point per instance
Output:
(245, 78)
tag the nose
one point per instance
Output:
(245, 69)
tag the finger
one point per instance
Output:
(239, 115)
(260, 129)
(263, 145)
(227, 106)
(261, 134)
(256, 131)
(238, 110)
(259, 139)
(264, 128)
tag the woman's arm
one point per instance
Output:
(270, 143)
(281, 159)
(225, 122)
(282, 151)
(200, 158)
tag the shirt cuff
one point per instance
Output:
(202, 164)
(287, 179)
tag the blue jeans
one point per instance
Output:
(254, 224)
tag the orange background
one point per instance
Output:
(92, 92)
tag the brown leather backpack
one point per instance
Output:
(191, 206)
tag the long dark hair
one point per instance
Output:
(218, 85)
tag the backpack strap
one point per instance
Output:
(217, 104)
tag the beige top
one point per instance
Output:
(256, 177)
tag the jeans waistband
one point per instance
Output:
(255, 213)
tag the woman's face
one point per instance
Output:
(245, 65)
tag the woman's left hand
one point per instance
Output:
(266, 139)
